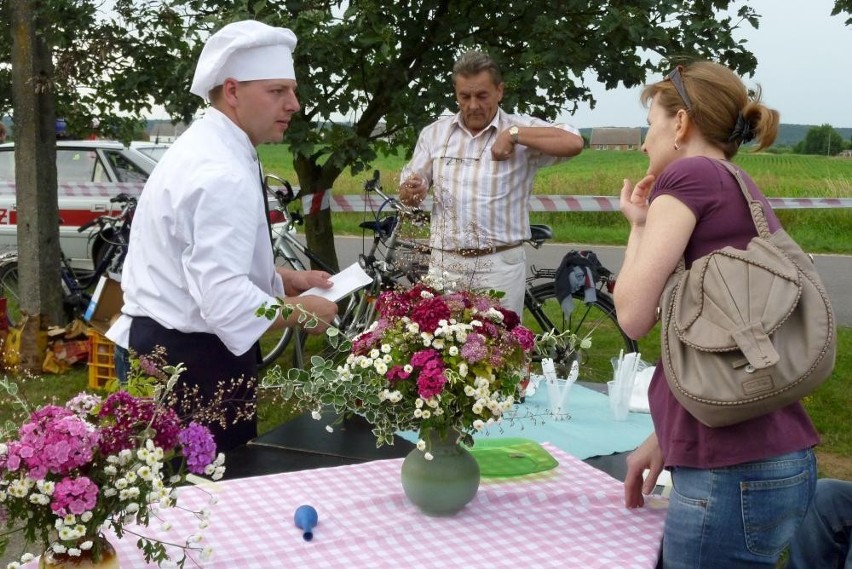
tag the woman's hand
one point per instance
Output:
(649, 456)
(633, 201)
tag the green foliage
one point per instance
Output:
(823, 140)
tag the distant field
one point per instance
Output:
(601, 173)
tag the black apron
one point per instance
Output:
(208, 363)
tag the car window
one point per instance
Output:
(7, 166)
(75, 165)
(155, 152)
(125, 170)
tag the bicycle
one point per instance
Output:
(543, 312)
(595, 321)
(382, 262)
(113, 232)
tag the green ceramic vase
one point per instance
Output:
(444, 485)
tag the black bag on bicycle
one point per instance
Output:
(579, 270)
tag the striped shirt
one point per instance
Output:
(478, 202)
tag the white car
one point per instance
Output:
(153, 150)
(89, 173)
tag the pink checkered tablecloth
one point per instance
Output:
(571, 516)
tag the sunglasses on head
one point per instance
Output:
(677, 80)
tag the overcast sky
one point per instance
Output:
(802, 66)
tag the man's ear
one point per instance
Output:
(229, 91)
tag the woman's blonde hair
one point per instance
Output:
(719, 105)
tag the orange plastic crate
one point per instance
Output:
(101, 360)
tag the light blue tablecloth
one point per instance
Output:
(590, 431)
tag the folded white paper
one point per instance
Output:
(348, 280)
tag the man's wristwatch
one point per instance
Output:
(513, 132)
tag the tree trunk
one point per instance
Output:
(319, 232)
(35, 176)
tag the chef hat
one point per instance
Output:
(244, 51)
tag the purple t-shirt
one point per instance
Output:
(713, 195)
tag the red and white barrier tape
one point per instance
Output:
(357, 202)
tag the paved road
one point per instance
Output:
(836, 270)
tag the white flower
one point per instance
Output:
(418, 413)
(132, 508)
(453, 351)
(386, 348)
(478, 425)
(585, 343)
(421, 444)
(74, 552)
(86, 545)
(408, 368)
(316, 415)
(375, 353)
(207, 553)
(380, 366)
(426, 414)
(27, 557)
(428, 456)
(463, 369)
(418, 403)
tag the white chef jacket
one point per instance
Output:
(200, 258)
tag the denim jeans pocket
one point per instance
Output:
(772, 510)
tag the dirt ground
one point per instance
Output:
(834, 465)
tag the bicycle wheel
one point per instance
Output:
(10, 290)
(596, 321)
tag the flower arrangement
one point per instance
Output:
(435, 361)
(95, 463)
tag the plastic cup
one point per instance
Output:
(619, 401)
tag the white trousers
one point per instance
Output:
(505, 271)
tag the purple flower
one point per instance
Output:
(198, 447)
(474, 349)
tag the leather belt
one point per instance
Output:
(481, 252)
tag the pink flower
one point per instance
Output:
(124, 416)
(429, 312)
(431, 379)
(53, 440)
(525, 337)
(74, 496)
(397, 373)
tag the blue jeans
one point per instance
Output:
(121, 356)
(823, 538)
(739, 516)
